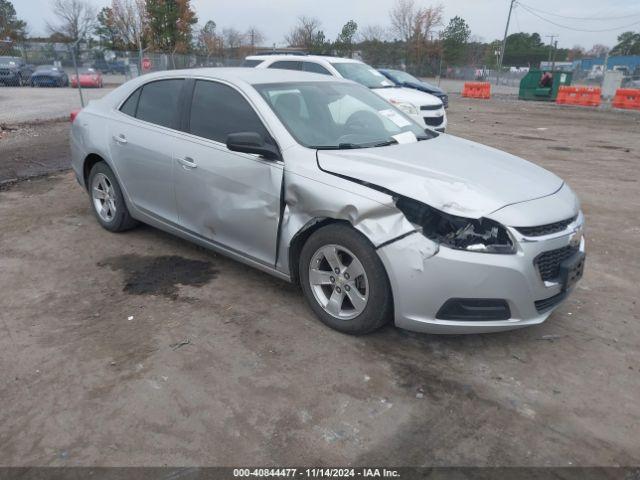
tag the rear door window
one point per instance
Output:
(314, 68)
(251, 63)
(159, 102)
(218, 110)
(287, 65)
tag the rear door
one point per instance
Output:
(142, 140)
(227, 197)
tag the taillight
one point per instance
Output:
(74, 114)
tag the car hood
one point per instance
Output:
(426, 87)
(451, 174)
(409, 95)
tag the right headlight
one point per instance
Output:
(475, 235)
(405, 107)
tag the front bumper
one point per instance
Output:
(424, 276)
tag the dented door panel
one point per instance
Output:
(229, 198)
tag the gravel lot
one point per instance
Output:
(141, 349)
(24, 104)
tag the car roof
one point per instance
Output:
(300, 58)
(252, 76)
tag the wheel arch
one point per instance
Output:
(301, 237)
(88, 163)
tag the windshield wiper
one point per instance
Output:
(386, 143)
(353, 146)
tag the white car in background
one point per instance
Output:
(424, 108)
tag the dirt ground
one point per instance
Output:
(142, 349)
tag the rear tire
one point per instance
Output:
(107, 201)
(344, 280)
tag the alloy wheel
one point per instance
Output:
(338, 281)
(104, 197)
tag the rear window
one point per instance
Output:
(131, 104)
(159, 102)
(251, 63)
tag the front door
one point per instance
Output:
(230, 198)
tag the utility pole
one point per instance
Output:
(504, 42)
(553, 60)
(551, 37)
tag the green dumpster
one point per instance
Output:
(543, 85)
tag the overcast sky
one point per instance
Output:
(485, 17)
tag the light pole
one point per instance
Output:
(75, 67)
(504, 42)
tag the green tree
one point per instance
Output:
(170, 25)
(454, 40)
(525, 49)
(628, 44)
(344, 44)
(105, 28)
(10, 26)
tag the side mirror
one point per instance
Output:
(252, 142)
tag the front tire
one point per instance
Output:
(107, 200)
(344, 280)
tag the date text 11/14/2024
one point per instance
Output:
(316, 472)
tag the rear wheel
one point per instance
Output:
(107, 200)
(344, 280)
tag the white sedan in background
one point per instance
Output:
(424, 108)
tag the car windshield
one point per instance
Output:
(338, 115)
(403, 76)
(362, 73)
(87, 71)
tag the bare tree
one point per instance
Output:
(233, 39)
(306, 33)
(130, 20)
(371, 33)
(402, 16)
(411, 23)
(254, 36)
(208, 39)
(75, 19)
(427, 19)
(598, 50)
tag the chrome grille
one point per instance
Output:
(547, 229)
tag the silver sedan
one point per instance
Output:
(320, 182)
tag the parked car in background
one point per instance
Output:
(116, 66)
(422, 107)
(14, 71)
(320, 182)
(49, 76)
(404, 79)
(89, 78)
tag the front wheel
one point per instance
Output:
(344, 280)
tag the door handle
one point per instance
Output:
(187, 162)
(121, 139)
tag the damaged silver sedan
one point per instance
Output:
(320, 182)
